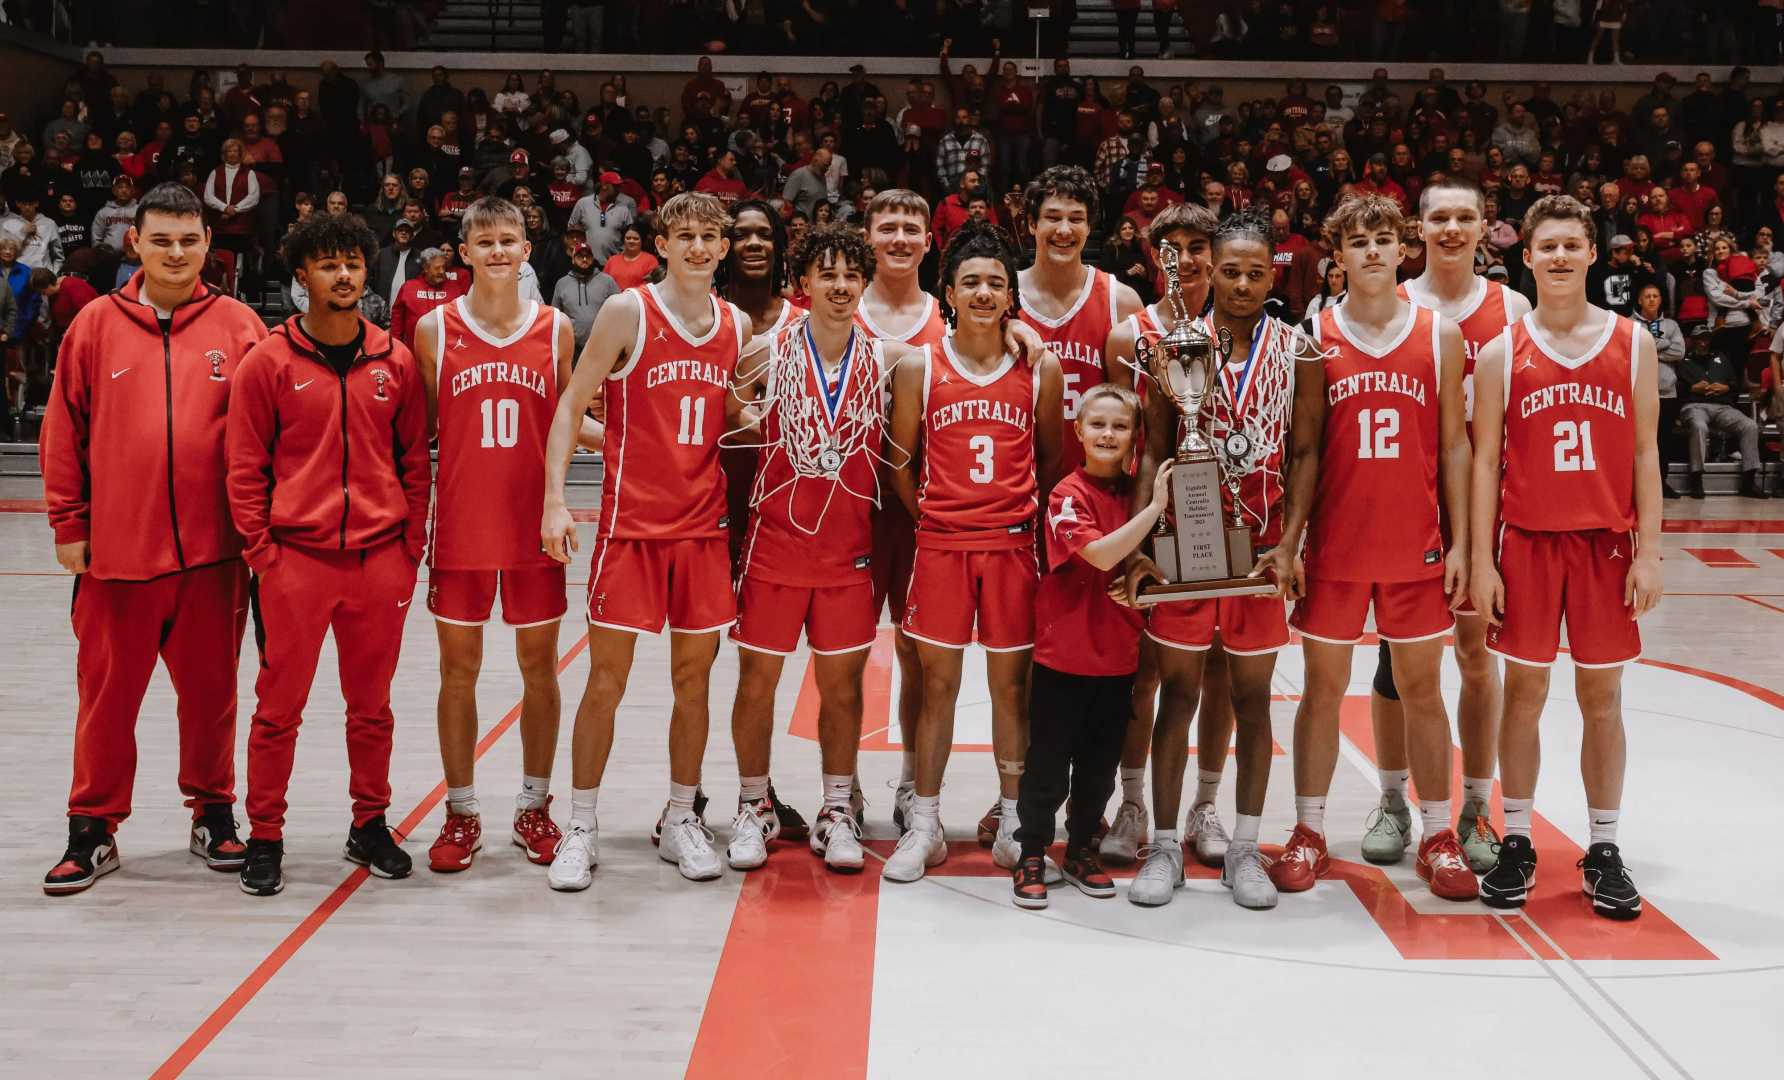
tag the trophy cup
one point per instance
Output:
(1201, 554)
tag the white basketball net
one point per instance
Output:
(1267, 408)
(813, 447)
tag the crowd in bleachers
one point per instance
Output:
(1687, 182)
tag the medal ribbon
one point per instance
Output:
(1247, 373)
(832, 399)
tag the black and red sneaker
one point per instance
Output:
(92, 853)
(793, 826)
(1084, 869)
(215, 841)
(1029, 883)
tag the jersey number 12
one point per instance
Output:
(1376, 430)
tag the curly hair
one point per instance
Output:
(1367, 212)
(979, 240)
(328, 234)
(1252, 223)
(1070, 182)
(777, 263)
(840, 243)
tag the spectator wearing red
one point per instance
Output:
(67, 297)
(1012, 105)
(1378, 182)
(951, 213)
(329, 489)
(723, 180)
(435, 285)
(631, 265)
(1691, 196)
(703, 82)
(1162, 196)
(133, 476)
(921, 111)
(1637, 178)
(1665, 224)
(1286, 247)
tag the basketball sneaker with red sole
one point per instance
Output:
(92, 853)
(988, 825)
(1302, 862)
(460, 839)
(1442, 866)
(536, 834)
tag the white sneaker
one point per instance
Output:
(1125, 835)
(917, 851)
(1204, 832)
(573, 863)
(1006, 852)
(1159, 877)
(901, 807)
(688, 844)
(837, 838)
(1244, 871)
(749, 838)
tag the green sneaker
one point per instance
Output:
(1480, 844)
(1389, 832)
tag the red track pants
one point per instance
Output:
(364, 596)
(193, 620)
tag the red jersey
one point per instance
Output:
(496, 400)
(1078, 629)
(1077, 338)
(977, 488)
(1483, 319)
(928, 330)
(1569, 461)
(1375, 513)
(1261, 491)
(813, 531)
(666, 408)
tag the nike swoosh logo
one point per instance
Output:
(303, 384)
(125, 371)
(404, 603)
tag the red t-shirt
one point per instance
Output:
(1078, 629)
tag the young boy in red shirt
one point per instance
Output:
(1087, 648)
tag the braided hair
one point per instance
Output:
(1252, 223)
(978, 240)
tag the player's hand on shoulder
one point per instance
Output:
(75, 556)
(1024, 342)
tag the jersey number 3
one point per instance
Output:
(981, 448)
(1573, 447)
(1376, 431)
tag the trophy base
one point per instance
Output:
(1156, 593)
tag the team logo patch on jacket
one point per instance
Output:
(216, 357)
(379, 378)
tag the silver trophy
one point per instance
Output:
(1200, 553)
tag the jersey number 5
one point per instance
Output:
(981, 447)
(1573, 447)
(501, 422)
(1376, 429)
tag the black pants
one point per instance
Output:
(1667, 432)
(1075, 728)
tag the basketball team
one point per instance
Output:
(990, 465)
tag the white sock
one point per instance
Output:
(462, 800)
(1133, 785)
(1477, 789)
(1310, 810)
(534, 790)
(1245, 828)
(582, 806)
(681, 802)
(1434, 814)
(837, 790)
(1207, 786)
(1007, 807)
(1604, 825)
(752, 788)
(1165, 838)
(1517, 817)
(927, 810)
(1393, 784)
(907, 773)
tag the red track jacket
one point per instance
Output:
(323, 460)
(132, 446)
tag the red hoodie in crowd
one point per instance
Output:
(132, 446)
(327, 459)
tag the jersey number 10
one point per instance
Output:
(501, 422)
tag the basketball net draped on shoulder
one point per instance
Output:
(806, 434)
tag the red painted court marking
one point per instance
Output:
(1722, 558)
(1729, 525)
(213, 1025)
(23, 506)
(1761, 603)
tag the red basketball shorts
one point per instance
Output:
(835, 618)
(638, 585)
(1336, 611)
(894, 552)
(531, 596)
(1248, 625)
(951, 590)
(1579, 576)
